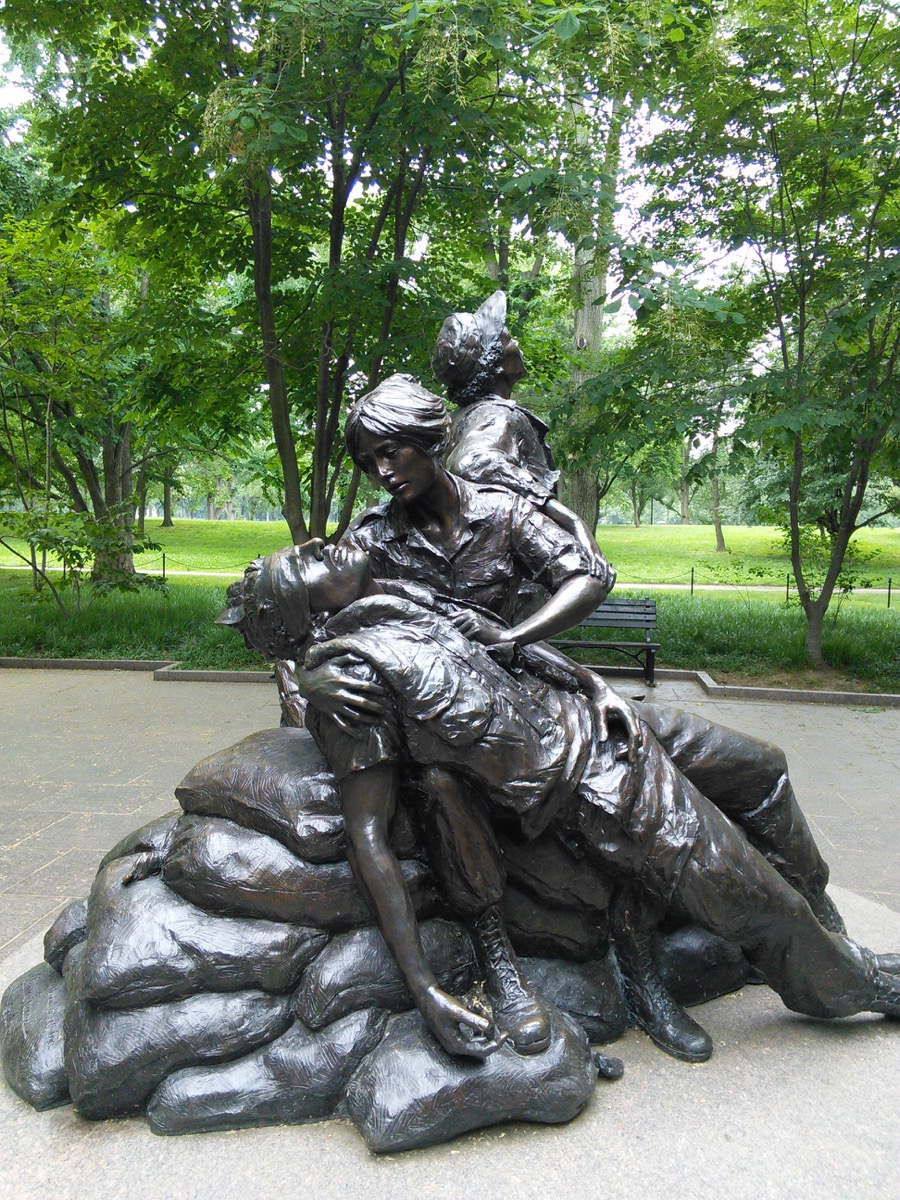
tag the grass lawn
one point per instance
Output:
(146, 624)
(735, 635)
(651, 554)
(666, 553)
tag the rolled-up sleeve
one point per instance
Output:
(549, 554)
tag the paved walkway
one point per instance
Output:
(787, 1107)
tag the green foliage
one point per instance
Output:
(177, 625)
(715, 634)
(78, 542)
(323, 152)
(787, 153)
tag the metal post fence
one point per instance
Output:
(889, 591)
(164, 566)
(787, 590)
(692, 581)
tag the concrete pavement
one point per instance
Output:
(786, 1108)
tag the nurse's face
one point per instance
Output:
(402, 469)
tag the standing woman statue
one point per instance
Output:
(492, 439)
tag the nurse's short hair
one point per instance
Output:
(399, 408)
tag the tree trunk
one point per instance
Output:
(815, 615)
(118, 484)
(259, 207)
(684, 486)
(589, 287)
(721, 548)
(580, 492)
(167, 522)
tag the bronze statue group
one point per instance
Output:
(415, 653)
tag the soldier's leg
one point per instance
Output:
(730, 888)
(748, 780)
(651, 823)
(468, 863)
(651, 1006)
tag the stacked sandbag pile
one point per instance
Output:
(225, 972)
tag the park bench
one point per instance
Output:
(621, 614)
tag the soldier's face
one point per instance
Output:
(400, 468)
(332, 575)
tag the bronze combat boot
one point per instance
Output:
(887, 994)
(650, 1005)
(518, 1010)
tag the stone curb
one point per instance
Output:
(725, 691)
(87, 664)
(728, 691)
(172, 673)
(167, 671)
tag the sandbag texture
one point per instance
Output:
(357, 970)
(225, 868)
(299, 1077)
(152, 841)
(410, 1093)
(276, 782)
(69, 928)
(146, 945)
(588, 992)
(697, 966)
(31, 1037)
(115, 1058)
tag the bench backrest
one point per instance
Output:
(624, 614)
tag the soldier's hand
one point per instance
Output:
(457, 1028)
(613, 706)
(331, 689)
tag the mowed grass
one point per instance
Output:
(651, 554)
(666, 554)
(200, 545)
(754, 636)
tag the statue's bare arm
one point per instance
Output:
(368, 800)
(577, 529)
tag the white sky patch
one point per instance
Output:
(13, 91)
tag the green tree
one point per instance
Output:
(785, 150)
(292, 142)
